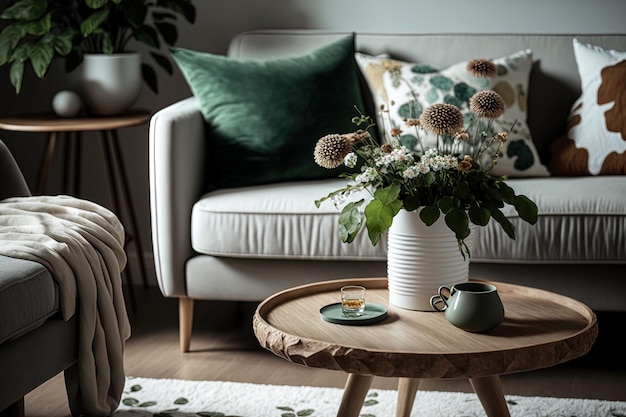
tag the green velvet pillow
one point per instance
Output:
(265, 118)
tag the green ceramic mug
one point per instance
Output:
(471, 306)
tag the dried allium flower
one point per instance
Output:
(482, 68)
(464, 166)
(386, 148)
(331, 149)
(395, 132)
(462, 135)
(501, 136)
(487, 103)
(412, 122)
(442, 118)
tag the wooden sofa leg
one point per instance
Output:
(185, 322)
(14, 410)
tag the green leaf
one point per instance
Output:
(135, 13)
(462, 191)
(181, 401)
(458, 222)
(479, 215)
(350, 221)
(92, 23)
(508, 194)
(446, 204)
(22, 52)
(430, 178)
(107, 44)
(163, 62)
(149, 76)
(147, 404)
(388, 194)
(168, 32)
(305, 413)
(16, 74)
(25, 10)
(367, 403)
(135, 388)
(182, 7)
(379, 213)
(163, 16)
(429, 215)
(411, 202)
(96, 4)
(41, 26)
(378, 219)
(147, 35)
(63, 43)
(9, 38)
(41, 56)
(526, 208)
(508, 228)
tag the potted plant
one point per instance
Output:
(426, 196)
(38, 31)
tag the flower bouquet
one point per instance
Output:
(450, 178)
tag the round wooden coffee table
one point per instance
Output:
(540, 329)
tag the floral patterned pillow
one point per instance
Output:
(595, 142)
(406, 89)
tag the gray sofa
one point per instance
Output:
(246, 243)
(35, 342)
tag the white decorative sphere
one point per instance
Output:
(66, 103)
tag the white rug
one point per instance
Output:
(176, 398)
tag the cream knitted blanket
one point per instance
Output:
(82, 245)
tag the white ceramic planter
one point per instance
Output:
(108, 84)
(420, 259)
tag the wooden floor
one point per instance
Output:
(224, 348)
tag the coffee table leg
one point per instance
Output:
(491, 396)
(407, 388)
(354, 394)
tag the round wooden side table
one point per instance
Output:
(71, 129)
(540, 329)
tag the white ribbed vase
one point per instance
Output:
(420, 259)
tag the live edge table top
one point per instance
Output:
(540, 329)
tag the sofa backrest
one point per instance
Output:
(554, 81)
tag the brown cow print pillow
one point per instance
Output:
(595, 142)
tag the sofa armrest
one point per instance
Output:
(13, 183)
(176, 165)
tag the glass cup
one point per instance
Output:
(352, 301)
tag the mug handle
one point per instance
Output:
(436, 300)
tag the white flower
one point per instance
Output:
(366, 176)
(350, 160)
(423, 168)
(411, 172)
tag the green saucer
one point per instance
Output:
(373, 314)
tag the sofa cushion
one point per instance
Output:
(265, 118)
(407, 88)
(281, 221)
(595, 142)
(28, 296)
(274, 221)
(581, 220)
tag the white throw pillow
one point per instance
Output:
(595, 142)
(412, 87)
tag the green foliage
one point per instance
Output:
(38, 31)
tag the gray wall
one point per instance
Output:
(219, 20)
